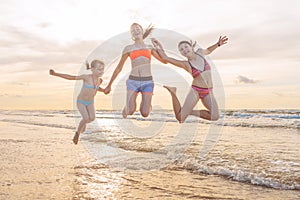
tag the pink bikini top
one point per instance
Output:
(196, 72)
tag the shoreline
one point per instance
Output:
(39, 161)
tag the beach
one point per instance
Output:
(37, 162)
(246, 157)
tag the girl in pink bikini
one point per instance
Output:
(202, 85)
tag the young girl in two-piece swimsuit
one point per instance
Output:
(85, 99)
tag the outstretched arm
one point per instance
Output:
(166, 58)
(65, 76)
(116, 72)
(222, 40)
(156, 54)
(100, 89)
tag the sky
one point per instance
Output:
(258, 68)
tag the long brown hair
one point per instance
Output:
(147, 31)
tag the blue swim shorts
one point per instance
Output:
(140, 86)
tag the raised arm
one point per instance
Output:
(117, 70)
(66, 76)
(166, 59)
(222, 40)
(178, 63)
(156, 55)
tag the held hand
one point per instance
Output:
(51, 72)
(162, 53)
(222, 40)
(107, 90)
(100, 89)
(156, 43)
(158, 47)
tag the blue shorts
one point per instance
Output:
(140, 86)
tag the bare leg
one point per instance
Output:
(84, 128)
(183, 112)
(130, 106)
(91, 112)
(190, 102)
(212, 112)
(175, 102)
(145, 107)
(92, 115)
(82, 124)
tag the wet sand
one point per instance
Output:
(37, 162)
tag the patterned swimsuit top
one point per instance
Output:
(195, 71)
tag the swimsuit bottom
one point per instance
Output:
(86, 103)
(202, 92)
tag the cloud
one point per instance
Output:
(244, 79)
(4, 95)
(278, 94)
(43, 25)
(11, 95)
(18, 83)
(265, 40)
(21, 46)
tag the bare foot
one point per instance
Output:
(171, 89)
(124, 113)
(76, 137)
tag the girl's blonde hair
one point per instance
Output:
(93, 64)
(188, 42)
(147, 31)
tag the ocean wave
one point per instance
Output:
(276, 115)
(38, 124)
(237, 174)
(175, 160)
(235, 118)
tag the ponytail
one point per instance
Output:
(87, 65)
(193, 44)
(148, 31)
